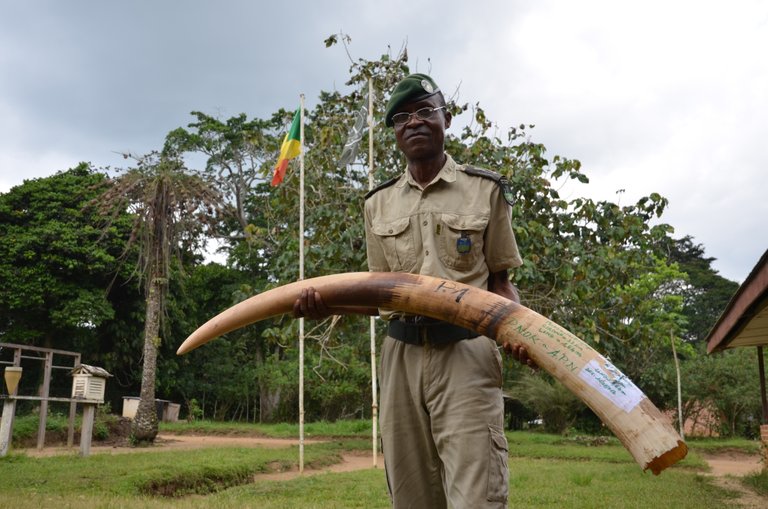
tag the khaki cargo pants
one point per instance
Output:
(442, 418)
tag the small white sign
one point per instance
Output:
(613, 384)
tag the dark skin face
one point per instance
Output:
(423, 141)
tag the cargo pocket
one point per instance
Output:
(498, 471)
(397, 243)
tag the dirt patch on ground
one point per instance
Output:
(735, 463)
(350, 462)
(726, 468)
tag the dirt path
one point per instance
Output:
(727, 467)
(350, 461)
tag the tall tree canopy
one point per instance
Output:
(705, 292)
(55, 263)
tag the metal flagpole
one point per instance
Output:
(374, 398)
(301, 277)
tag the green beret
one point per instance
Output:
(411, 89)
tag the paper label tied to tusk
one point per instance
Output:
(613, 384)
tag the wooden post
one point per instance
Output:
(9, 412)
(72, 413)
(44, 401)
(679, 390)
(17, 363)
(6, 426)
(761, 369)
(89, 411)
(374, 394)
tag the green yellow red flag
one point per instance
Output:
(290, 148)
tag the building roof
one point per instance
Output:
(745, 319)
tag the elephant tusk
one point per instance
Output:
(633, 418)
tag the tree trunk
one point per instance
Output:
(269, 399)
(144, 427)
(268, 403)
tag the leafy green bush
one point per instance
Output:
(25, 426)
(556, 405)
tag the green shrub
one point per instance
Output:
(556, 405)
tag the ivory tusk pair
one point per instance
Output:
(633, 418)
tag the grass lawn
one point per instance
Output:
(545, 471)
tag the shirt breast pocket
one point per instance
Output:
(461, 240)
(396, 238)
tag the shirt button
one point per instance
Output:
(426, 252)
(425, 223)
(391, 231)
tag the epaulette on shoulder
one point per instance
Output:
(479, 172)
(380, 187)
(501, 180)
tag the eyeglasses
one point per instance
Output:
(422, 114)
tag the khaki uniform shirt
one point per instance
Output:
(458, 227)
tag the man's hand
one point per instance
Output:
(310, 305)
(520, 353)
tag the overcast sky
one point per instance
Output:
(652, 96)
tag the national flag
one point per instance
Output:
(290, 148)
(351, 147)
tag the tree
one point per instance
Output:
(220, 377)
(55, 265)
(170, 208)
(557, 406)
(705, 293)
(727, 384)
(236, 151)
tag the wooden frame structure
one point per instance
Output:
(45, 355)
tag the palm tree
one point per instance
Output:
(171, 208)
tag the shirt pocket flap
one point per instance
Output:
(465, 222)
(391, 228)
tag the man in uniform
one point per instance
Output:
(442, 412)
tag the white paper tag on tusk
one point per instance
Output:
(613, 384)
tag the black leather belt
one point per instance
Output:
(418, 330)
